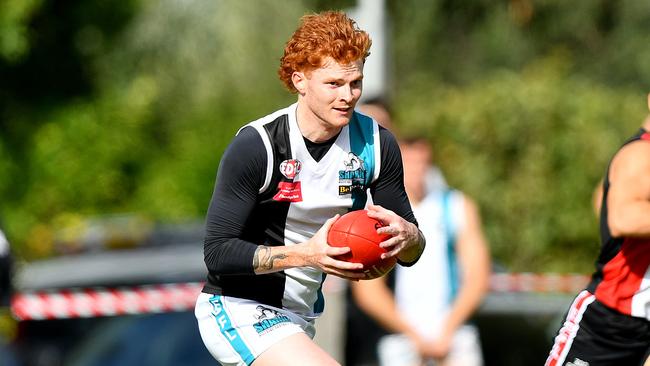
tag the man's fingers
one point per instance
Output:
(389, 254)
(336, 251)
(388, 230)
(345, 265)
(386, 244)
(330, 222)
(381, 214)
(349, 275)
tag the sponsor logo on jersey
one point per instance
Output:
(269, 319)
(288, 192)
(289, 168)
(353, 175)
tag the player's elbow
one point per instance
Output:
(480, 281)
(484, 282)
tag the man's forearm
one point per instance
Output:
(264, 259)
(273, 259)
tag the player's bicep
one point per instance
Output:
(629, 176)
(628, 199)
(241, 174)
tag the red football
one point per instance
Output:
(359, 232)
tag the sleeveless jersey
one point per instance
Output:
(425, 291)
(622, 277)
(297, 196)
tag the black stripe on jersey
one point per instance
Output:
(266, 225)
(270, 214)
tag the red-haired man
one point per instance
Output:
(281, 183)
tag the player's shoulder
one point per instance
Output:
(274, 117)
(255, 133)
(633, 159)
(635, 153)
(247, 135)
(387, 139)
(247, 144)
(386, 133)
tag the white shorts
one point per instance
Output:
(398, 350)
(236, 331)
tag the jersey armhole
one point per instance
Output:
(269, 153)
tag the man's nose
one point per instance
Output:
(345, 93)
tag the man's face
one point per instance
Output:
(331, 91)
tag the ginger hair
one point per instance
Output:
(327, 34)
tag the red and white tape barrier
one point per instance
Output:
(538, 282)
(93, 302)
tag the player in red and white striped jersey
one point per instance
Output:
(609, 322)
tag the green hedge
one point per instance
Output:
(530, 147)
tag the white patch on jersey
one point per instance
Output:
(641, 299)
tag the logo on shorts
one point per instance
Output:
(269, 319)
(289, 168)
(578, 362)
(353, 175)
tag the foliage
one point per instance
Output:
(530, 147)
(148, 139)
(459, 40)
(14, 40)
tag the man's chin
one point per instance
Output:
(342, 120)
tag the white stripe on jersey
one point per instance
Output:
(259, 126)
(641, 299)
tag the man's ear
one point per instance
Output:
(299, 80)
(648, 101)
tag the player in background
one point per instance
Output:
(281, 183)
(609, 322)
(428, 310)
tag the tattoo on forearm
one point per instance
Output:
(263, 258)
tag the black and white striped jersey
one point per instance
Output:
(274, 188)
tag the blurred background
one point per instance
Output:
(114, 114)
